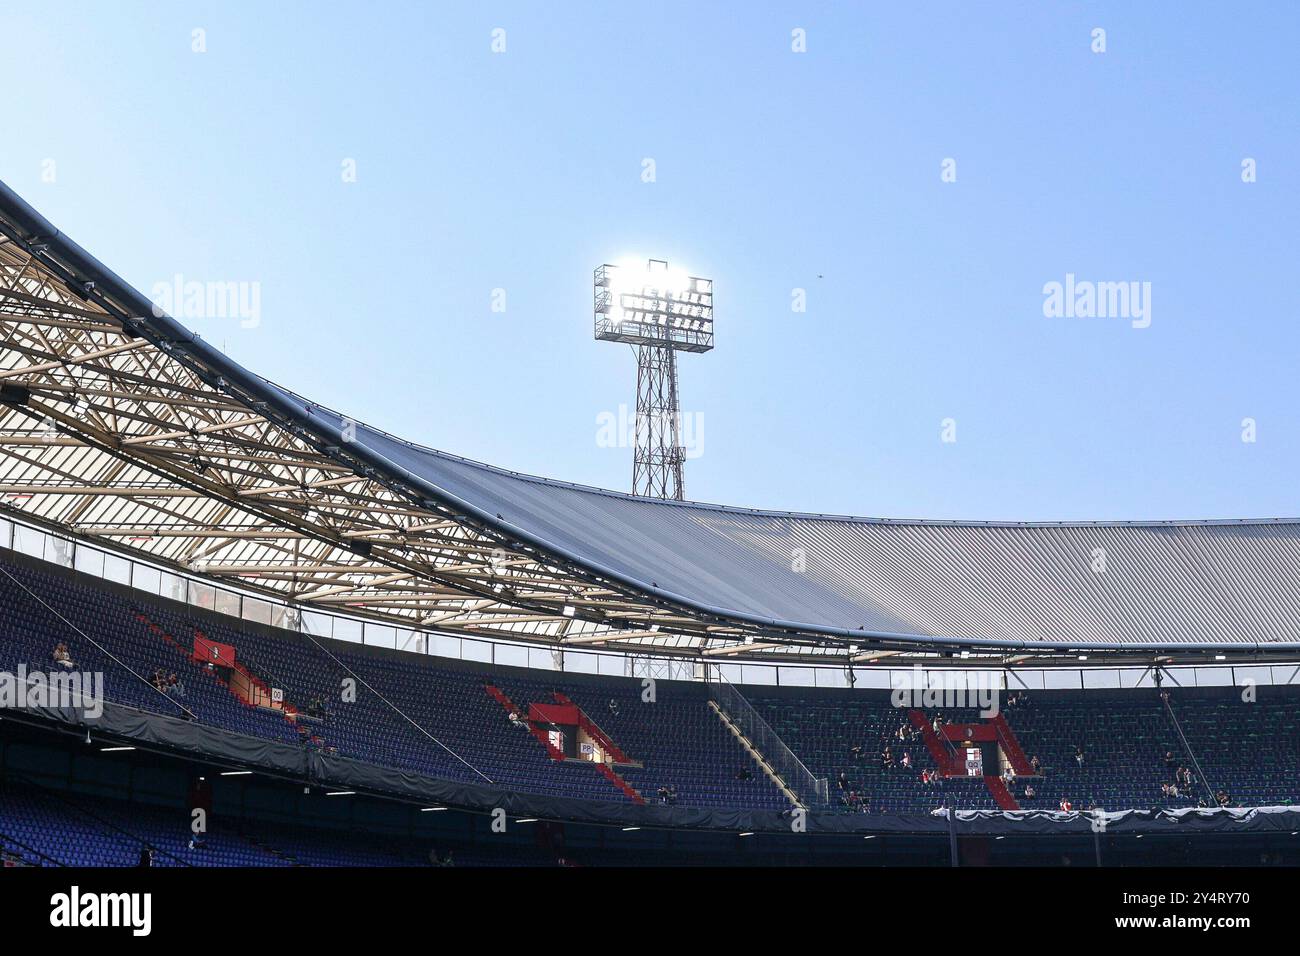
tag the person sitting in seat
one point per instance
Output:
(62, 656)
(613, 707)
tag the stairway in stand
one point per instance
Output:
(587, 725)
(1001, 795)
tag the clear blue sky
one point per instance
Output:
(775, 170)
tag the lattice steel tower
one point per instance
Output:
(659, 312)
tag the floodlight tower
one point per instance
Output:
(659, 312)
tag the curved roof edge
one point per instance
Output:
(83, 271)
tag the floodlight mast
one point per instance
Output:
(660, 313)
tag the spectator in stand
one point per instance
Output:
(1066, 806)
(843, 781)
(907, 760)
(1030, 792)
(174, 685)
(62, 656)
(613, 707)
(1078, 755)
(1169, 760)
(1038, 767)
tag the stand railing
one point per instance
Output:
(812, 791)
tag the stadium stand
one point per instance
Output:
(41, 827)
(1248, 752)
(678, 742)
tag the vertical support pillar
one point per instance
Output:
(659, 456)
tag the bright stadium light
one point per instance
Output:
(660, 312)
(654, 305)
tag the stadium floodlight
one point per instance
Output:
(660, 312)
(654, 305)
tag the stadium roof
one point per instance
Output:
(120, 424)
